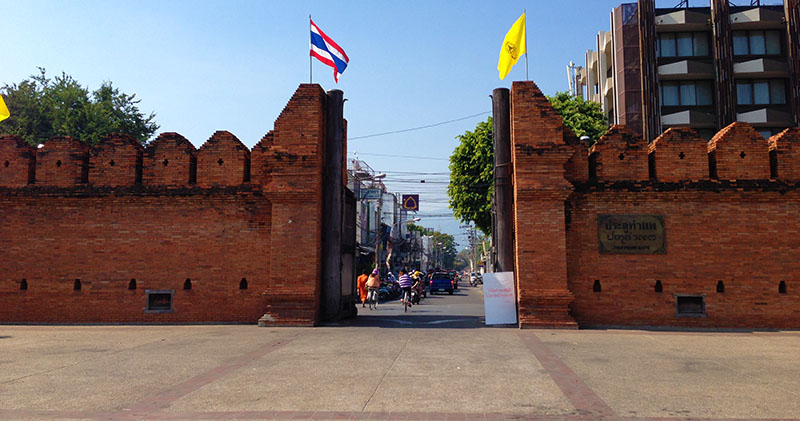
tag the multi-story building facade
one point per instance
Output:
(698, 67)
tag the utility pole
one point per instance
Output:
(503, 189)
(333, 199)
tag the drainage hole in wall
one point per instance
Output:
(690, 305)
(23, 285)
(132, 285)
(597, 287)
(658, 287)
(243, 283)
(187, 284)
(782, 287)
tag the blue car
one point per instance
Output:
(441, 281)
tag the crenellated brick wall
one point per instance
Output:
(730, 213)
(86, 232)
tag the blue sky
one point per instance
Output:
(232, 65)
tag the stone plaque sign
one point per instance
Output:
(631, 234)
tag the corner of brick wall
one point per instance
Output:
(786, 147)
(539, 154)
(294, 157)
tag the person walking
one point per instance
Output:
(373, 283)
(361, 283)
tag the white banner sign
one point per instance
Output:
(499, 298)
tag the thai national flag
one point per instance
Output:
(327, 51)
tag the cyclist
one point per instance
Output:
(373, 283)
(405, 284)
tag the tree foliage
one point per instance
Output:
(471, 175)
(42, 108)
(584, 118)
(472, 162)
(444, 244)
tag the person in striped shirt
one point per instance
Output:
(405, 283)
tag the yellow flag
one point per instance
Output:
(4, 114)
(513, 47)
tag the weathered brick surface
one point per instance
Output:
(679, 154)
(740, 229)
(295, 189)
(170, 160)
(215, 231)
(746, 239)
(740, 152)
(539, 154)
(214, 239)
(620, 154)
(223, 161)
(116, 161)
(17, 162)
(62, 162)
(786, 146)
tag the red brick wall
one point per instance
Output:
(17, 161)
(739, 228)
(161, 215)
(746, 239)
(62, 162)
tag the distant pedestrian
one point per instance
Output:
(373, 284)
(361, 282)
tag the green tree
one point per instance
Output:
(462, 260)
(444, 244)
(42, 107)
(584, 118)
(472, 162)
(471, 174)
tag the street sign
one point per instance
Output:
(411, 202)
(499, 298)
(368, 194)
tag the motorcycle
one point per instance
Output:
(415, 296)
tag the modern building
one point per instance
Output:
(698, 67)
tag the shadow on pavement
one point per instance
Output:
(414, 321)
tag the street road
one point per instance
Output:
(463, 309)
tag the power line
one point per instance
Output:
(404, 156)
(416, 173)
(418, 128)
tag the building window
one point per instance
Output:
(159, 301)
(691, 93)
(682, 44)
(761, 92)
(757, 43)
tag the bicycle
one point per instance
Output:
(406, 299)
(372, 298)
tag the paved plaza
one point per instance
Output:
(436, 362)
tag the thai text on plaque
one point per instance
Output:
(631, 234)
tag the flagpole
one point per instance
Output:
(310, 66)
(524, 12)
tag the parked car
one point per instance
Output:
(441, 281)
